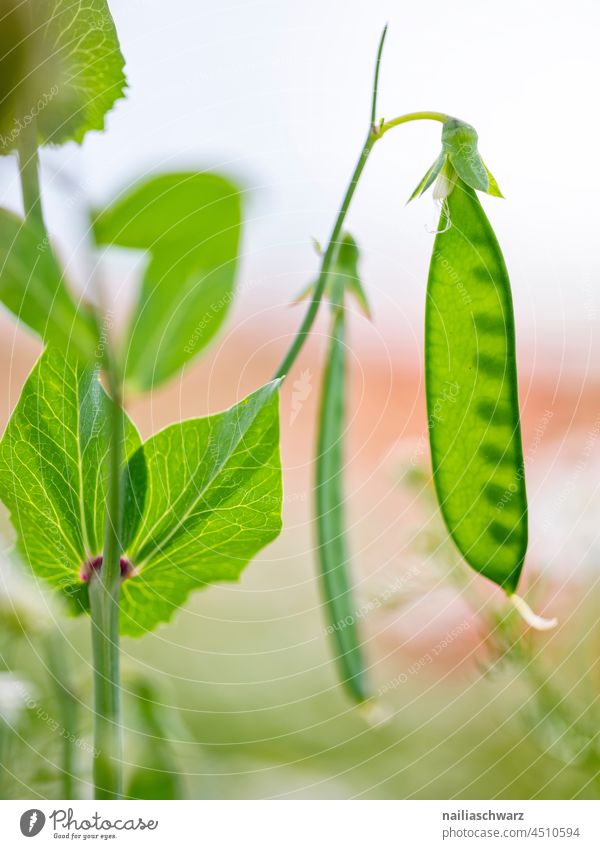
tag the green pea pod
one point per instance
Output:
(330, 520)
(472, 399)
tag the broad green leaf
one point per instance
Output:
(213, 501)
(33, 288)
(189, 224)
(65, 72)
(201, 497)
(52, 471)
(472, 394)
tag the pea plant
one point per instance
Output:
(125, 530)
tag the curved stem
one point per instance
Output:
(296, 346)
(290, 358)
(411, 116)
(375, 133)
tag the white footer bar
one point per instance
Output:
(302, 824)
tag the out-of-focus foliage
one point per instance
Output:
(32, 287)
(61, 69)
(189, 224)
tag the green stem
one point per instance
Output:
(376, 77)
(104, 588)
(375, 133)
(296, 346)
(29, 172)
(411, 116)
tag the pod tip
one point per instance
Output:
(374, 713)
(540, 623)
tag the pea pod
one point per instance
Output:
(472, 399)
(332, 550)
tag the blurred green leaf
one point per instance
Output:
(63, 66)
(213, 501)
(13, 68)
(189, 223)
(155, 771)
(33, 288)
(53, 474)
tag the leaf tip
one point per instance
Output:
(374, 713)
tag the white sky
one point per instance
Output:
(277, 93)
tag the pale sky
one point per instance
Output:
(277, 93)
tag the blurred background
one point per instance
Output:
(238, 698)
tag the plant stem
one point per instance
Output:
(411, 116)
(28, 169)
(376, 77)
(104, 590)
(313, 307)
(289, 359)
(375, 133)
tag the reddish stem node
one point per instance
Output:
(95, 564)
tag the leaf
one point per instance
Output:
(201, 497)
(154, 771)
(33, 289)
(429, 177)
(52, 472)
(189, 223)
(213, 501)
(459, 141)
(13, 67)
(493, 187)
(70, 69)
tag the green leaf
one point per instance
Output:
(33, 289)
(189, 223)
(69, 65)
(459, 141)
(155, 773)
(52, 471)
(201, 498)
(213, 501)
(13, 68)
(493, 187)
(429, 177)
(472, 393)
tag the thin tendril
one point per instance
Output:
(376, 79)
